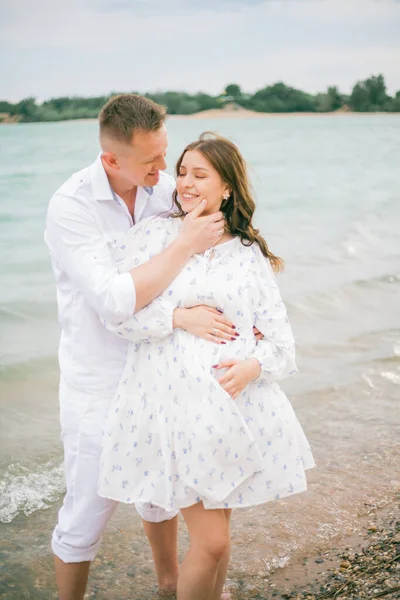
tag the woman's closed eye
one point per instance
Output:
(183, 174)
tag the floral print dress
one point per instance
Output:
(173, 436)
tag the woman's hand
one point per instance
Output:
(205, 322)
(238, 375)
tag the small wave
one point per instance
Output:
(391, 376)
(15, 314)
(25, 491)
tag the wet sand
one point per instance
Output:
(363, 565)
(124, 568)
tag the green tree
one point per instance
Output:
(359, 100)
(394, 103)
(329, 101)
(335, 98)
(6, 107)
(177, 103)
(369, 95)
(376, 89)
(281, 98)
(26, 108)
(233, 90)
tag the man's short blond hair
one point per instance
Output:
(126, 113)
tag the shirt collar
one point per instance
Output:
(142, 196)
(102, 190)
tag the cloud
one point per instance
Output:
(76, 47)
(156, 7)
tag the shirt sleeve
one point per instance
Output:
(276, 351)
(152, 322)
(80, 250)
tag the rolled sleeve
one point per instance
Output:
(125, 294)
(153, 322)
(79, 248)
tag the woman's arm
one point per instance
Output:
(274, 356)
(276, 351)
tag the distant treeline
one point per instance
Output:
(369, 95)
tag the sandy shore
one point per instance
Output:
(363, 565)
(219, 113)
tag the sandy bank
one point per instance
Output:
(243, 113)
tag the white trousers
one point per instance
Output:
(84, 514)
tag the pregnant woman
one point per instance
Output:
(199, 426)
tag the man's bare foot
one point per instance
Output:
(167, 587)
(171, 594)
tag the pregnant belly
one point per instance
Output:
(192, 352)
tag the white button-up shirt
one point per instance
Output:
(85, 222)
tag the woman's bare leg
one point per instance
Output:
(200, 577)
(223, 567)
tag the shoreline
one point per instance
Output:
(245, 114)
(362, 564)
(224, 114)
(365, 564)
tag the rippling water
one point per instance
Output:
(328, 196)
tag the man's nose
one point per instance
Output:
(162, 165)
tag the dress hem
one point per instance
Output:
(269, 498)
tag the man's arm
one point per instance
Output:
(81, 251)
(196, 235)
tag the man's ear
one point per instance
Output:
(110, 159)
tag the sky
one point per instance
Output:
(51, 48)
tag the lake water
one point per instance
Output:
(328, 196)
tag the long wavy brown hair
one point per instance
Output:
(238, 208)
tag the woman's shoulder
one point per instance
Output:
(150, 224)
(250, 251)
(148, 237)
(152, 227)
(256, 263)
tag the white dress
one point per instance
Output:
(174, 437)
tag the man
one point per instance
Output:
(87, 218)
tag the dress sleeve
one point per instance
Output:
(276, 351)
(154, 321)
